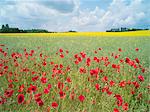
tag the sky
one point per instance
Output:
(79, 15)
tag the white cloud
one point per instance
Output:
(120, 13)
(63, 15)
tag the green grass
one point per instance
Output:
(49, 47)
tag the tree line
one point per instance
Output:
(7, 29)
(125, 29)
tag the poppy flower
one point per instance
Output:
(105, 79)
(20, 98)
(97, 87)
(44, 80)
(116, 110)
(21, 88)
(54, 104)
(68, 79)
(44, 63)
(94, 72)
(137, 60)
(62, 94)
(119, 100)
(136, 49)
(49, 86)
(60, 50)
(60, 85)
(136, 84)
(72, 95)
(141, 78)
(37, 95)
(81, 98)
(120, 49)
(125, 106)
(122, 84)
(61, 55)
(111, 83)
(82, 70)
(2, 100)
(46, 90)
(40, 103)
(32, 88)
(8, 93)
(143, 70)
(35, 78)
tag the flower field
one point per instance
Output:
(74, 74)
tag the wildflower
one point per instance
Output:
(62, 94)
(97, 87)
(141, 78)
(125, 106)
(60, 50)
(8, 93)
(116, 110)
(54, 104)
(81, 98)
(44, 80)
(20, 98)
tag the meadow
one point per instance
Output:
(75, 72)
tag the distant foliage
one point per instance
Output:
(124, 29)
(7, 29)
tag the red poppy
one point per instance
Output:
(76, 56)
(35, 78)
(109, 93)
(125, 106)
(136, 49)
(72, 95)
(32, 88)
(40, 103)
(21, 88)
(46, 90)
(44, 63)
(137, 60)
(83, 54)
(105, 79)
(81, 98)
(99, 48)
(122, 84)
(54, 104)
(37, 95)
(61, 66)
(119, 100)
(116, 110)
(44, 80)
(60, 85)
(111, 83)
(94, 72)
(82, 70)
(61, 55)
(62, 94)
(120, 49)
(68, 79)
(143, 70)
(141, 78)
(2, 100)
(136, 84)
(49, 86)
(20, 98)
(8, 93)
(79, 59)
(60, 50)
(97, 86)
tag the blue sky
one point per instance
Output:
(80, 15)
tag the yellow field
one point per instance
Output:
(91, 34)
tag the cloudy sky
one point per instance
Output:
(80, 15)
